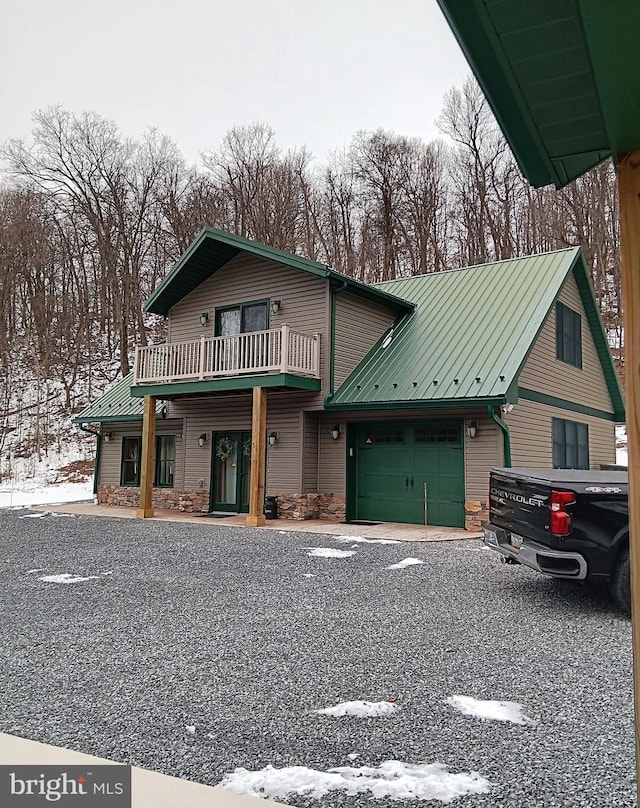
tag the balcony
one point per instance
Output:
(273, 351)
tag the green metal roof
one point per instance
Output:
(560, 75)
(212, 249)
(470, 335)
(116, 405)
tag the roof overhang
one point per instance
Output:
(212, 249)
(560, 75)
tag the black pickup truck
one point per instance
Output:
(564, 523)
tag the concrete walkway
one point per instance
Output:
(149, 789)
(381, 530)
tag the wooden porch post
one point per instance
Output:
(146, 459)
(258, 458)
(629, 199)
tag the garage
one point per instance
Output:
(397, 460)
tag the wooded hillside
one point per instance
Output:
(90, 221)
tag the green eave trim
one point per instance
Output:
(563, 404)
(462, 403)
(111, 419)
(224, 385)
(212, 249)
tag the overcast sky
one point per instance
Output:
(317, 71)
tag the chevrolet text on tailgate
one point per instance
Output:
(565, 523)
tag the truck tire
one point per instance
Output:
(620, 584)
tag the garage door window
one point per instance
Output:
(437, 436)
(385, 436)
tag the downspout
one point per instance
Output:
(505, 434)
(96, 462)
(332, 347)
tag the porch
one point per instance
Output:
(274, 351)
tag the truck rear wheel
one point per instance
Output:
(620, 584)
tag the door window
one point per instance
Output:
(242, 319)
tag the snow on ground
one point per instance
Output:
(41, 494)
(491, 710)
(359, 709)
(363, 540)
(329, 552)
(406, 562)
(66, 578)
(46, 481)
(392, 779)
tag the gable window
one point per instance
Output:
(243, 318)
(570, 444)
(165, 454)
(568, 335)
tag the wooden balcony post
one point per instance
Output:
(258, 458)
(629, 198)
(145, 510)
(284, 349)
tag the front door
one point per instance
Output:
(231, 462)
(397, 460)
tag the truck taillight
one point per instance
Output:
(560, 519)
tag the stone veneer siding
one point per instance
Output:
(328, 507)
(163, 498)
(475, 513)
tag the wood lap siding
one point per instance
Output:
(310, 431)
(246, 278)
(111, 453)
(531, 439)
(481, 454)
(546, 374)
(359, 324)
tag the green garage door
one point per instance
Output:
(396, 460)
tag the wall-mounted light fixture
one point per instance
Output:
(106, 437)
(472, 429)
(506, 408)
(204, 318)
(202, 439)
(335, 431)
(272, 438)
(276, 305)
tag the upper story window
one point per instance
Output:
(165, 455)
(243, 318)
(568, 335)
(570, 444)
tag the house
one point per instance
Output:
(343, 400)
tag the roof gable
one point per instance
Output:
(470, 335)
(560, 76)
(212, 249)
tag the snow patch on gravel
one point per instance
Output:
(363, 540)
(329, 552)
(489, 710)
(66, 578)
(359, 709)
(406, 562)
(392, 780)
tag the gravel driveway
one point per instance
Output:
(197, 649)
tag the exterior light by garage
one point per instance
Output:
(472, 429)
(202, 439)
(273, 438)
(335, 431)
(107, 436)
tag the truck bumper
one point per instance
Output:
(520, 550)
